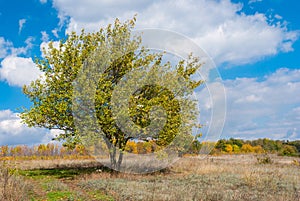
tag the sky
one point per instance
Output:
(254, 44)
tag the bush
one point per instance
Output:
(288, 150)
(228, 148)
(264, 159)
(247, 148)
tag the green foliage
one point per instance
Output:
(267, 144)
(115, 48)
(295, 143)
(284, 148)
(236, 148)
(58, 173)
(60, 195)
(237, 142)
(195, 147)
(221, 144)
(288, 150)
(98, 195)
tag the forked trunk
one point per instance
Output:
(115, 158)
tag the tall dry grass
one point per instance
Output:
(213, 178)
(12, 187)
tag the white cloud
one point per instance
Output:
(17, 71)
(259, 108)
(54, 32)
(217, 26)
(278, 17)
(5, 47)
(93, 11)
(21, 24)
(13, 131)
(22, 50)
(43, 1)
(254, 1)
(268, 108)
(45, 36)
(250, 99)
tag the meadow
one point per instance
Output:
(222, 177)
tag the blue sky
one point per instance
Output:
(255, 45)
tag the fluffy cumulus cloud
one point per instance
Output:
(13, 132)
(219, 27)
(258, 108)
(17, 71)
(267, 108)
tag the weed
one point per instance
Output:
(296, 162)
(264, 159)
(12, 187)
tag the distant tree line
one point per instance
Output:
(223, 146)
(42, 151)
(265, 145)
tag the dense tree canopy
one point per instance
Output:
(53, 99)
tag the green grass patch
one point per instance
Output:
(60, 195)
(98, 195)
(69, 173)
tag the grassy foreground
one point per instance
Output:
(227, 177)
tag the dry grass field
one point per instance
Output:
(225, 177)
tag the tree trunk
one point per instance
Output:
(115, 158)
(119, 161)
